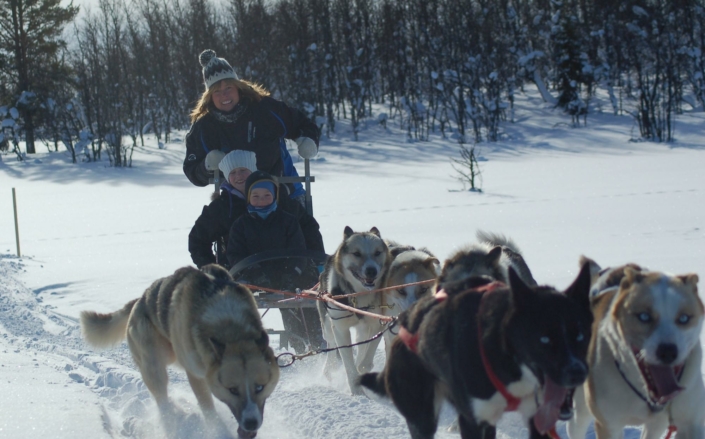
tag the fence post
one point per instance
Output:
(17, 229)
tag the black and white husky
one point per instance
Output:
(360, 263)
(489, 348)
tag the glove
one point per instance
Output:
(213, 158)
(307, 147)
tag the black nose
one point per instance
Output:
(575, 374)
(667, 353)
(370, 272)
(250, 424)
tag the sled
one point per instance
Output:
(266, 299)
(302, 327)
(293, 333)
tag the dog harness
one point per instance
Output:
(512, 401)
(412, 340)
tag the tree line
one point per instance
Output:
(451, 67)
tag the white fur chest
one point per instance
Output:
(491, 410)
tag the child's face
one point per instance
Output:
(237, 178)
(261, 197)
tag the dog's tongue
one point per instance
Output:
(664, 379)
(549, 410)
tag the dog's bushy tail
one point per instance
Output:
(497, 239)
(105, 330)
(375, 382)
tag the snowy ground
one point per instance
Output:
(94, 237)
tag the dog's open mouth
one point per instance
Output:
(567, 407)
(367, 282)
(662, 381)
(244, 434)
(553, 405)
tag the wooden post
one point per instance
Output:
(17, 229)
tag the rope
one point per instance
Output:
(328, 298)
(287, 358)
(378, 290)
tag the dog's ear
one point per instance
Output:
(263, 340)
(432, 264)
(690, 280)
(631, 276)
(347, 232)
(594, 267)
(579, 290)
(520, 291)
(218, 348)
(375, 231)
(494, 255)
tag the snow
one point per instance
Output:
(94, 237)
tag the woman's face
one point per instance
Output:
(225, 96)
(237, 178)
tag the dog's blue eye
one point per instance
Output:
(234, 391)
(377, 253)
(545, 340)
(357, 254)
(259, 388)
(644, 317)
(580, 337)
(683, 319)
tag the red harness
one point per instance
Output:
(412, 340)
(512, 401)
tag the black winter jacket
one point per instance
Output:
(260, 129)
(217, 218)
(251, 234)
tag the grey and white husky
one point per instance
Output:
(360, 263)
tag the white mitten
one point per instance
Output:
(213, 158)
(307, 147)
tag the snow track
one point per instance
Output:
(304, 405)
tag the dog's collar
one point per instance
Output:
(412, 340)
(512, 401)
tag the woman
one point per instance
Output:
(237, 114)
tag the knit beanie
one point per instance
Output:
(238, 159)
(214, 68)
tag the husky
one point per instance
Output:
(211, 327)
(408, 266)
(645, 356)
(360, 263)
(491, 256)
(487, 350)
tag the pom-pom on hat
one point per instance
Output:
(238, 159)
(215, 69)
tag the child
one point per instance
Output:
(268, 227)
(265, 227)
(216, 219)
